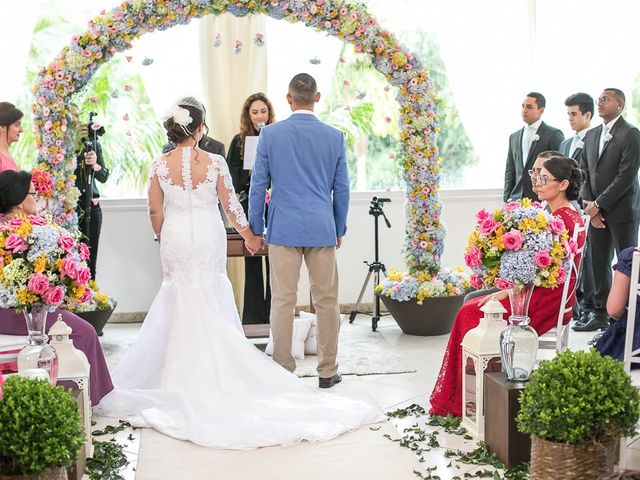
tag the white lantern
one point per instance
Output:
(73, 366)
(480, 354)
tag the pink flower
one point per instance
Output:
(476, 281)
(346, 82)
(84, 251)
(503, 284)
(556, 225)
(69, 269)
(36, 220)
(481, 215)
(510, 206)
(513, 240)
(473, 257)
(38, 283)
(86, 296)
(562, 275)
(66, 243)
(15, 244)
(54, 296)
(84, 275)
(488, 226)
(543, 259)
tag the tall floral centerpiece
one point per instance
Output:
(42, 268)
(517, 248)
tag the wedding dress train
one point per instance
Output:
(191, 373)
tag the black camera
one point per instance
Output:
(378, 201)
(91, 131)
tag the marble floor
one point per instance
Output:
(390, 392)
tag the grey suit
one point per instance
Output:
(517, 182)
(587, 287)
(565, 148)
(612, 181)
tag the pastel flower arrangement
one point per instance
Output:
(41, 263)
(519, 244)
(403, 287)
(99, 301)
(113, 31)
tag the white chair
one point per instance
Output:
(631, 355)
(558, 338)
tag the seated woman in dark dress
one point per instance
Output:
(611, 341)
(17, 196)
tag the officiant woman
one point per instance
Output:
(18, 196)
(257, 112)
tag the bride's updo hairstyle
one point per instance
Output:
(14, 188)
(565, 168)
(183, 119)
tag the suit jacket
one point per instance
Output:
(565, 148)
(305, 161)
(207, 144)
(241, 178)
(612, 177)
(517, 182)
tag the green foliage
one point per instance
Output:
(128, 145)
(40, 427)
(578, 398)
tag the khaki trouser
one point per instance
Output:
(285, 263)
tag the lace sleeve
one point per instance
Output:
(228, 197)
(155, 197)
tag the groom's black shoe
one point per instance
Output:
(597, 321)
(331, 381)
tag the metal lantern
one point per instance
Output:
(73, 366)
(480, 354)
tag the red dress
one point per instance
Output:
(446, 397)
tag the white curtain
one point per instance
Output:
(228, 79)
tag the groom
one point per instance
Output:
(304, 161)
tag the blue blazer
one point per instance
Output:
(304, 161)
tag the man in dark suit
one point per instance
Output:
(525, 145)
(611, 193)
(580, 111)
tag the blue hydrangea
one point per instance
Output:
(518, 266)
(43, 239)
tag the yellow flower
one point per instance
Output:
(526, 202)
(24, 296)
(395, 275)
(40, 264)
(528, 224)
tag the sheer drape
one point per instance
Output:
(228, 79)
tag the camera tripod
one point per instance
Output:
(375, 267)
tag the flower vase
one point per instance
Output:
(519, 342)
(38, 359)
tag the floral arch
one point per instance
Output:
(112, 32)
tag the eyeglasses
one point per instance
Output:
(35, 194)
(544, 180)
(534, 173)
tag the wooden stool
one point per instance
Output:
(501, 406)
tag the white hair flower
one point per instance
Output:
(180, 115)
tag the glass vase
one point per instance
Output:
(38, 359)
(519, 342)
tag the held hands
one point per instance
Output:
(253, 243)
(597, 220)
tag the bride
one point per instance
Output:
(191, 374)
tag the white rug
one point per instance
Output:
(360, 352)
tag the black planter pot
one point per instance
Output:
(434, 317)
(98, 318)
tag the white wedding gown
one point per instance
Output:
(191, 373)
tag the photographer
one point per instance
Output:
(90, 167)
